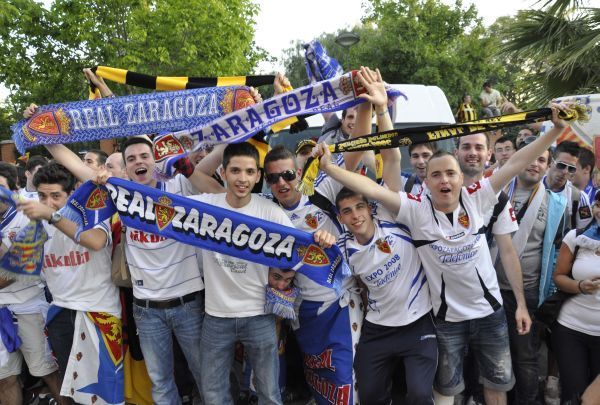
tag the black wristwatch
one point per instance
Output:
(55, 217)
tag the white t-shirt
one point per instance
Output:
(457, 261)
(22, 297)
(163, 269)
(80, 278)
(235, 288)
(391, 269)
(492, 99)
(580, 312)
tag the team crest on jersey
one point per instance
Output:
(584, 212)
(511, 211)
(414, 197)
(313, 255)
(311, 221)
(96, 200)
(164, 212)
(383, 245)
(463, 219)
(474, 187)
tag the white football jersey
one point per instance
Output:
(391, 269)
(161, 268)
(79, 278)
(456, 257)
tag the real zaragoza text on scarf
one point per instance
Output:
(208, 227)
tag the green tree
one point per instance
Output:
(416, 41)
(560, 47)
(45, 50)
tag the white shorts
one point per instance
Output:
(34, 349)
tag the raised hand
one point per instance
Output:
(374, 85)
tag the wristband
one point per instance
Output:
(381, 114)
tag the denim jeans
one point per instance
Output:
(524, 349)
(487, 337)
(156, 328)
(257, 334)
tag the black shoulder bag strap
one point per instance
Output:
(498, 208)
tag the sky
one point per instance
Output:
(307, 19)
(280, 22)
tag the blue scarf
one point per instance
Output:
(117, 117)
(207, 227)
(24, 257)
(319, 65)
(8, 331)
(330, 95)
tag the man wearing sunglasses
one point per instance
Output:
(578, 213)
(321, 307)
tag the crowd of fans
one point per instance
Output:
(450, 264)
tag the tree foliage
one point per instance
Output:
(415, 41)
(560, 47)
(44, 50)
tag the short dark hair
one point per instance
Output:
(432, 146)
(101, 155)
(346, 193)
(487, 139)
(487, 83)
(586, 158)
(441, 153)
(279, 152)
(35, 161)
(572, 148)
(134, 140)
(9, 172)
(345, 111)
(239, 149)
(504, 139)
(55, 173)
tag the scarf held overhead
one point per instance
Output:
(329, 95)
(118, 117)
(412, 136)
(182, 83)
(208, 227)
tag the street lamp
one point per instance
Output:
(347, 39)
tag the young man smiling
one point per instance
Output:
(320, 306)
(446, 226)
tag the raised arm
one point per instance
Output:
(356, 182)
(523, 157)
(64, 155)
(94, 239)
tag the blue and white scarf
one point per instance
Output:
(117, 117)
(319, 65)
(24, 257)
(329, 95)
(207, 227)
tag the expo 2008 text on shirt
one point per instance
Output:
(390, 267)
(455, 255)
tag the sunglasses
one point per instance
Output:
(287, 175)
(563, 166)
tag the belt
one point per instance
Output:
(175, 302)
